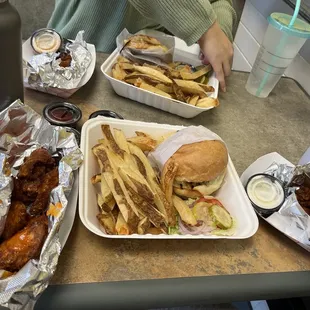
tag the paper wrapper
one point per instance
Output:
(152, 56)
(291, 219)
(187, 135)
(43, 73)
(22, 131)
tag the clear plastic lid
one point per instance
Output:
(281, 21)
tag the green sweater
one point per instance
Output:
(103, 20)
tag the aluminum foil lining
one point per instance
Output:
(156, 57)
(43, 70)
(291, 218)
(22, 131)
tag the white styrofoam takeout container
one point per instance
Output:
(182, 53)
(28, 53)
(232, 193)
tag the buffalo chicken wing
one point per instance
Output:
(25, 245)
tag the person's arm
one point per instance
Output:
(191, 21)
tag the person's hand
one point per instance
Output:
(218, 51)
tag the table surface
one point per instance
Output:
(251, 127)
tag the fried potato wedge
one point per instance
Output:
(108, 222)
(106, 204)
(189, 86)
(118, 73)
(95, 179)
(146, 143)
(126, 66)
(127, 212)
(111, 141)
(184, 211)
(120, 139)
(161, 202)
(164, 88)
(148, 209)
(167, 178)
(153, 89)
(122, 59)
(143, 226)
(164, 137)
(195, 75)
(121, 226)
(207, 102)
(153, 72)
(178, 92)
(139, 77)
(193, 100)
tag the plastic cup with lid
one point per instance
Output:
(282, 41)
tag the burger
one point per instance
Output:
(201, 168)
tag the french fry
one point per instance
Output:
(160, 200)
(118, 73)
(111, 141)
(164, 88)
(153, 72)
(121, 226)
(184, 211)
(107, 204)
(207, 102)
(107, 221)
(143, 226)
(120, 139)
(190, 87)
(129, 215)
(144, 77)
(178, 92)
(195, 75)
(146, 143)
(167, 178)
(126, 66)
(122, 59)
(153, 89)
(148, 208)
(164, 137)
(95, 179)
(193, 100)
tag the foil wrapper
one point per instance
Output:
(291, 218)
(44, 70)
(22, 131)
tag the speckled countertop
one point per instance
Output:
(251, 127)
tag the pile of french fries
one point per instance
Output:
(176, 81)
(131, 198)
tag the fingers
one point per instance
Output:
(220, 75)
(227, 68)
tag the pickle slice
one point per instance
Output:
(220, 217)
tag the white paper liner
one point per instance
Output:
(187, 135)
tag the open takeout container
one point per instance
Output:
(290, 228)
(232, 193)
(28, 52)
(181, 53)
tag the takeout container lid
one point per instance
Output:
(258, 209)
(182, 53)
(68, 108)
(28, 52)
(106, 113)
(232, 193)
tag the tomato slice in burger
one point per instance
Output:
(211, 200)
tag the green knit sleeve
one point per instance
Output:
(188, 19)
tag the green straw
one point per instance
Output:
(279, 48)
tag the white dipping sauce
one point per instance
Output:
(264, 192)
